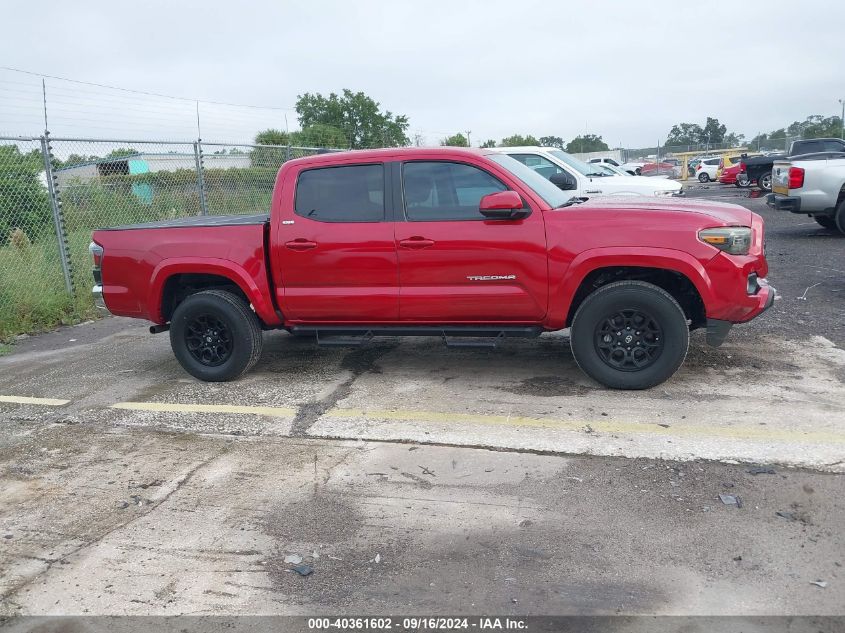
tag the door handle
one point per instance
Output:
(416, 242)
(300, 244)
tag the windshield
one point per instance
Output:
(580, 166)
(545, 189)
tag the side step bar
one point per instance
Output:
(346, 335)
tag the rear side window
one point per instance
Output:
(712, 161)
(341, 194)
(445, 191)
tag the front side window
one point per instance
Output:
(341, 194)
(437, 191)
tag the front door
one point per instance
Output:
(333, 250)
(455, 265)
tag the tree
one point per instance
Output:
(816, 126)
(734, 140)
(267, 156)
(586, 143)
(684, 134)
(272, 137)
(319, 135)
(23, 199)
(517, 140)
(357, 115)
(456, 140)
(713, 132)
(488, 143)
(552, 141)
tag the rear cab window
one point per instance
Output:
(351, 193)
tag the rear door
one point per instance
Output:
(334, 253)
(455, 265)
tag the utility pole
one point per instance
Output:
(469, 142)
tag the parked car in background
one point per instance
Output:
(813, 184)
(585, 180)
(733, 175)
(634, 168)
(604, 160)
(487, 248)
(610, 170)
(759, 168)
(706, 169)
(669, 167)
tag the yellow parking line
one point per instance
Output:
(168, 407)
(50, 402)
(602, 426)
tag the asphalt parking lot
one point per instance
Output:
(454, 480)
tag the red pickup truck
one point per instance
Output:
(451, 242)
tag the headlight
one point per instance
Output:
(735, 240)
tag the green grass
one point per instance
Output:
(5, 349)
(33, 296)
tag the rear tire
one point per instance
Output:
(827, 221)
(703, 177)
(742, 182)
(215, 335)
(658, 337)
(765, 181)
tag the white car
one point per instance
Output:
(630, 169)
(633, 168)
(706, 170)
(585, 180)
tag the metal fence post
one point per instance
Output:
(58, 217)
(200, 177)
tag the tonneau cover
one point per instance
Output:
(196, 221)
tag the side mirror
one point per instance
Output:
(564, 181)
(504, 205)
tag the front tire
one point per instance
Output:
(742, 182)
(703, 177)
(839, 217)
(765, 181)
(215, 335)
(629, 335)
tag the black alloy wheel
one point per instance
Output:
(629, 340)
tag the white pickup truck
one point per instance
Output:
(585, 180)
(813, 184)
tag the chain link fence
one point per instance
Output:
(55, 191)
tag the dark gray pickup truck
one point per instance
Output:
(759, 168)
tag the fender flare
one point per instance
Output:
(165, 269)
(565, 283)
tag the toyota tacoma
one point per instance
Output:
(470, 245)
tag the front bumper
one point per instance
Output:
(718, 329)
(783, 203)
(99, 302)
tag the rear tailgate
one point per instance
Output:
(780, 177)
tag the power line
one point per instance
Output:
(141, 92)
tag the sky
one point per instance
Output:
(624, 70)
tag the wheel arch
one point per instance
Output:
(680, 274)
(174, 279)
